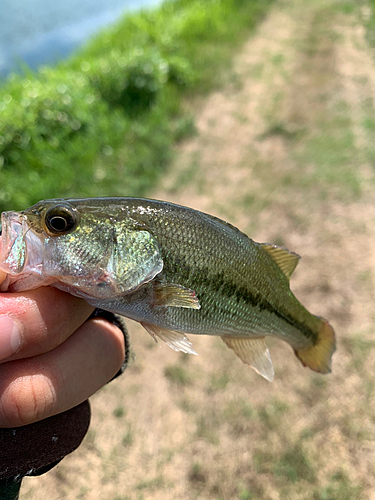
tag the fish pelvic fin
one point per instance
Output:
(253, 352)
(168, 294)
(176, 340)
(319, 356)
(286, 260)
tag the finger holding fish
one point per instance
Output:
(38, 387)
(35, 322)
(50, 356)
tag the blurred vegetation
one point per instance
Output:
(103, 122)
(371, 23)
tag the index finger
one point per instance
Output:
(37, 321)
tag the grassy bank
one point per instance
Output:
(104, 122)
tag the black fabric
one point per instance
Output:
(34, 449)
(10, 491)
(26, 449)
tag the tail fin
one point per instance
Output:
(319, 356)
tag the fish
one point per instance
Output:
(175, 270)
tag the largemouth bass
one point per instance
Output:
(175, 270)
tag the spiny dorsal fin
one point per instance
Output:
(176, 340)
(168, 294)
(286, 260)
(253, 352)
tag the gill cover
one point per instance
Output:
(103, 263)
(135, 259)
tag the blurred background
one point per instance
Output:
(261, 113)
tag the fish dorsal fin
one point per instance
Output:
(168, 294)
(253, 352)
(286, 260)
(176, 340)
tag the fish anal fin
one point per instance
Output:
(168, 294)
(253, 352)
(176, 340)
(319, 356)
(286, 260)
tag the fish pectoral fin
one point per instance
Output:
(286, 260)
(168, 294)
(176, 340)
(253, 352)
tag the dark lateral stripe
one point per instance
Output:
(220, 286)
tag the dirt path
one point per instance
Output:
(285, 152)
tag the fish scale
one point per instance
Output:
(174, 269)
(198, 273)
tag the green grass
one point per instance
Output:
(218, 382)
(339, 488)
(245, 493)
(197, 475)
(239, 415)
(272, 413)
(154, 484)
(291, 466)
(178, 375)
(331, 151)
(119, 412)
(324, 137)
(128, 438)
(371, 23)
(104, 122)
(359, 349)
(208, 427)
(187, 175)
(294, 466)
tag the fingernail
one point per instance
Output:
(10, 338)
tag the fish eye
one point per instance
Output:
(60, 220)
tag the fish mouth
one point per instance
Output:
(16, 240)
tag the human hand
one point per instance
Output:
(51, 358)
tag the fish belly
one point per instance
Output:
(219, 318)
